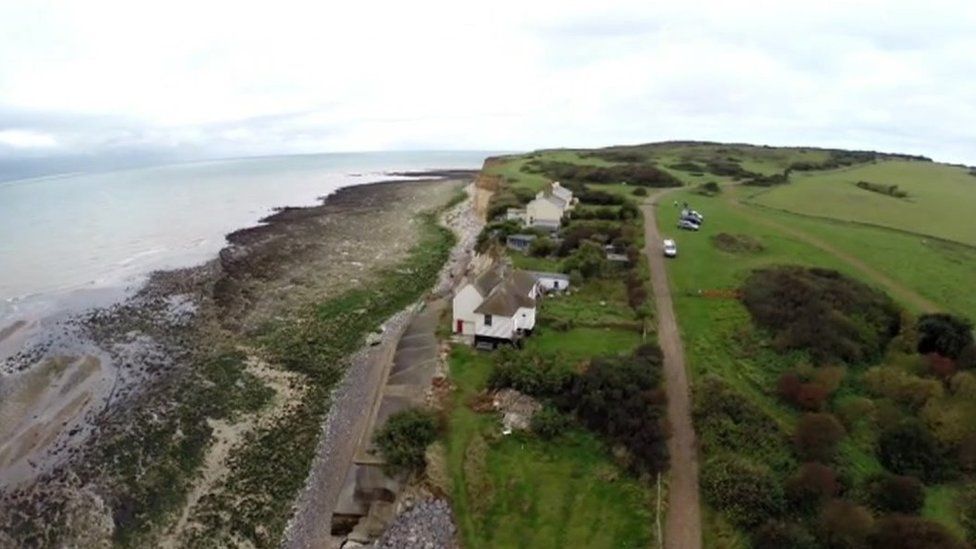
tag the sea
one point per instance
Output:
(83, 240)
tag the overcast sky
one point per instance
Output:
(202, 78)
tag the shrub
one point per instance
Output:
(895, 493)
(776, 534)
(816, 437)
(629, 211)
(542, 246)
(639, 191)
(909, 448)
(901, 386)
(888, 190)
(590, 260)
(967, 511)
(908, 532)
(845, 524)
(643, 174)
(746, 492)
(811, 484)
(833, 317)
(724, 418)
(549, 423)
(403, 440)
(945, 334)
(528, 373)
(940, 366)
(620, 398)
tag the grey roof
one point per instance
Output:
(562, 192)
(540, 274)
(528, 237)
(558, 202)
(489, 279)
(508, 296)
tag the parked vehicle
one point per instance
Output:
(670, 248)
(688, 213)
(688, 225)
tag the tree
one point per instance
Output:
(621, 398)
(910, 448)
(589, 259)
(549, 423)
(639, 191)
(817, 435)
(404, 439)
(746, 492)
(896, 494)
(811, 484)
(845, 524)
(906, 532)
(943, 333)
(542, 247)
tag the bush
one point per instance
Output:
(833, 317)
(967, 511)
(777, 534)
(621, 398)
(910, 448)
(945, 334)
(747, 493)
(629, 211)
(643, 174)
(724, 418)
(811, 484)
(590, 260)
(908, 532)
(816, 437)
(528, 373)
(542, 246)
(844, 524)
(639, 191)
(404, 439)
(888, 190)
(901, 386)
(895, 494)
(549, 423)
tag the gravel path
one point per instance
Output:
(427, 525)
(311, 525)
(682, 529)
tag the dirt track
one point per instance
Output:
(682, 530)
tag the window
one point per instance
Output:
(555, 284)
(487, 320)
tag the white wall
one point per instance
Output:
(549, 283)
(543, 209)
(501, 326)
(464, 304)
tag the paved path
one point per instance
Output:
(682, 530)
(905, 294)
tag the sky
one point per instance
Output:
(122, 81)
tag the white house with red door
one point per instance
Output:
(498, 306)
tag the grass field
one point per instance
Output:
(520, 491)
(717, 332)
(941, 199)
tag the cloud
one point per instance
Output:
(203, 79)
(27, 139)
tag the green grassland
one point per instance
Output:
(521, 491)
(820, 204)
(940, 203)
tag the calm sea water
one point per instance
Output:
(62, 237)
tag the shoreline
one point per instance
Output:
(179, 315)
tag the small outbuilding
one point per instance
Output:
(519, 242)
(551, 282)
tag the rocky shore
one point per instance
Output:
(179, 380)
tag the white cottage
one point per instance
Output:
(497, 307)
(551, 282)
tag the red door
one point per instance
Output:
(460, 326)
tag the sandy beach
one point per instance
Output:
(123, 375)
